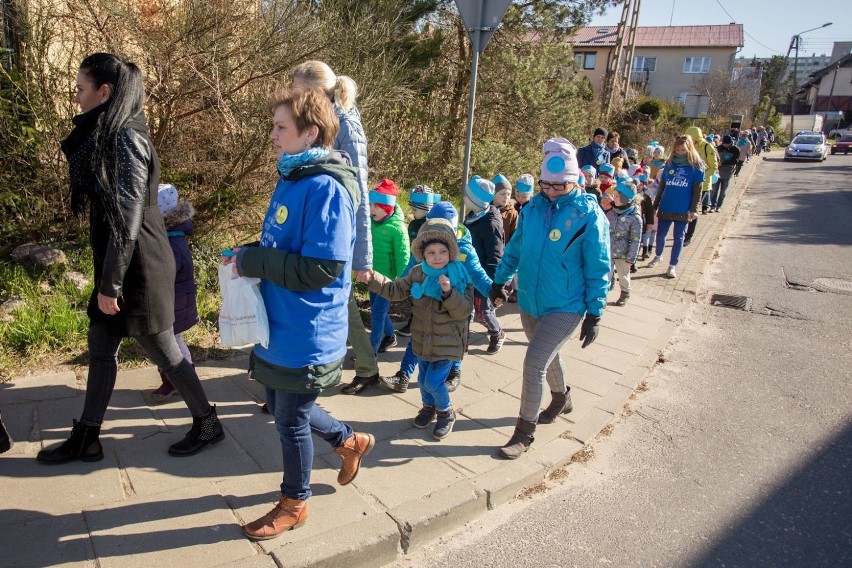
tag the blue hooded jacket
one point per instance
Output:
(566, 256)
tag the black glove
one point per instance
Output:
(589, 331)
(498, 292)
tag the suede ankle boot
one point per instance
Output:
(83, 444)
(358, 445)
(560, 403)
(205, 430)
(520, 440)
(287, 514)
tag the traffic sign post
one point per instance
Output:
(480, 18)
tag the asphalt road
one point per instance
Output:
(740, 451)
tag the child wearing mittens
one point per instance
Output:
(442, 298)
(177, 217)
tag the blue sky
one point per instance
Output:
(768, 22)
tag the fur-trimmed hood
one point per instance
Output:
(436, 230)
(180, 215)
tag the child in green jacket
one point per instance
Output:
(390, 257)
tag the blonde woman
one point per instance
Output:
(677, 198)
(342, 91)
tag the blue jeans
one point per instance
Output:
(663, 226)
(717, 195)
(410, 362)
(381, 325)
(296, 416)
(705, 199)
(433, 387)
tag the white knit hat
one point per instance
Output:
(560, 162)
(167, 198)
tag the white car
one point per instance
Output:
(838, 132)
(807, 146)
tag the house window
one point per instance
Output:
(642, 63)
(696, 65)
(586, 60)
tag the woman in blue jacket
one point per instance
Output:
(304, 259)
(352, 141)
(677, 198)
(562, 286)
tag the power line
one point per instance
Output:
(733, 19)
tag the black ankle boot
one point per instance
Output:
(205, 430)
(520, 441)
(82, 445)
(559, 404)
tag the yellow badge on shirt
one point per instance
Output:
(462, 257)
(555, 235)
(281, 214)
(671, 172)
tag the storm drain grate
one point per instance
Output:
(726, 301)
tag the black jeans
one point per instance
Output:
(163, 351)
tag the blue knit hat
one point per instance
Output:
(480, 192)
(444, 210)
(525, 184)
(423, 197)
(625, 187)
(607, 169)
(501, 182)
(590, 171)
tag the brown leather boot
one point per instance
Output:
(353, 449)
(287, 514)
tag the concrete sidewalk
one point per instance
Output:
(141, 507)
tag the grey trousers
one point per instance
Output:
(163, 351)
(366, 364)
(542, 362)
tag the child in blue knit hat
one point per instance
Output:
(524, 189)
(625, 235)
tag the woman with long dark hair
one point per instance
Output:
(114, 171)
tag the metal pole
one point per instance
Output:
(470, 108)
(778, 82)
(793, 96)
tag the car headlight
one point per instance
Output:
(819, 148)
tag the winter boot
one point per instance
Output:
(205, 430)
(453, 380)
(644, 253)
(651, 249)
(287, 514)
(82, 445)
(495, 343)
(520, 440)
(444, 424)
(5, 441)
(356, 446)
(360, 383)
(560, 403)
(622, 299)
(424, 417)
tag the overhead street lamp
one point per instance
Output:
(794, 43)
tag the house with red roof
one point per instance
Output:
(668, 62)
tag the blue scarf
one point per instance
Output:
(473, 217)
(454, 270)
(289, 162)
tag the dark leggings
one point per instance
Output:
(161, 349)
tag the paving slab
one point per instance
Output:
(40, 387)
(60, 540)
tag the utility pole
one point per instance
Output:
(614, 66)
(631, 46)
(778, 82)
(797, 39)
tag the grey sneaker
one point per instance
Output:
(670, 273)
(397, 382)
(654, 261)
(444, 424)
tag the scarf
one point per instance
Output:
(454, 270)
(601, 154)
(79, 150)
(474, 217)
(680, 160)
(289, 162)
(625, 209)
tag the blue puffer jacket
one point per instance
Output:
(352, 140)
(570, 273)
(467, 256)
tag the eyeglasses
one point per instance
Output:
(554, 186)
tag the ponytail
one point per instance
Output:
(341, 90)
(345, 92)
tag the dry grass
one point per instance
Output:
(532, 490)
(585, 454)
(558, 474)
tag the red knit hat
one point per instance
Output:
(384, 195)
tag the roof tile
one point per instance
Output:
(729, 35)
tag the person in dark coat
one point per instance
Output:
(177, 217)
(485, 224)
(114, 170)
(595, 154)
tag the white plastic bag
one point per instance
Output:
(242, 320)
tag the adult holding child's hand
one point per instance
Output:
(564, 284)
